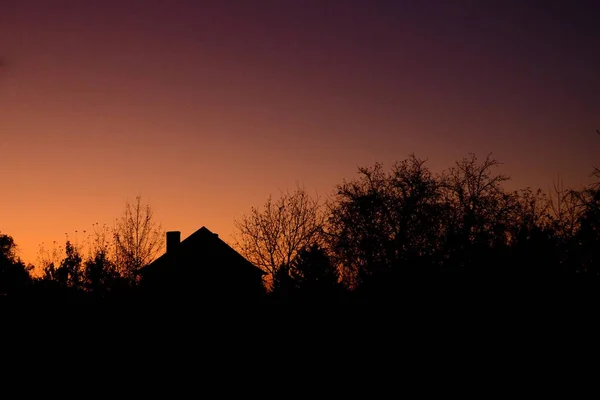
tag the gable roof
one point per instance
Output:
(203, 245)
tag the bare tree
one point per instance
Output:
(271, 237)
(564, 209)
(138, 238)
(480, 206)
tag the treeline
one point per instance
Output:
(103, 266)
(382, 234)
(408, 229)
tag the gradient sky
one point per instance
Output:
(207, 107)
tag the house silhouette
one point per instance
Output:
(201, 267)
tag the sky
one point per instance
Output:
(205, 108)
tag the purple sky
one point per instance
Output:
(207, 107)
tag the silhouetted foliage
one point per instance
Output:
(312, 269)
(586, 240)
(95, 278)
(311, 276)
(139, 239)
(283, 287)
(70, 271)
(14, 274)
(386, 234)
(314, 275)
(273, 236)
(565, 211)
(100, 273)
(388, 228)
(479, 212)
(531, 240)
(383, 221)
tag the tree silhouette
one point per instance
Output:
(14, 274)
(283, 287)
(386, 221)
(273, 236)
(314, 275)
(139, 239)
(69, 274)
(379, 235)
(100, 274)
(565, 210)
(310, 276)
(479, 211)
(586, 240)
(531, 247)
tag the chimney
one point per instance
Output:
(173, 239)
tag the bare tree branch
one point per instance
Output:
(273, 236)
(139, 239)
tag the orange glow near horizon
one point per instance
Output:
(206, 108)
